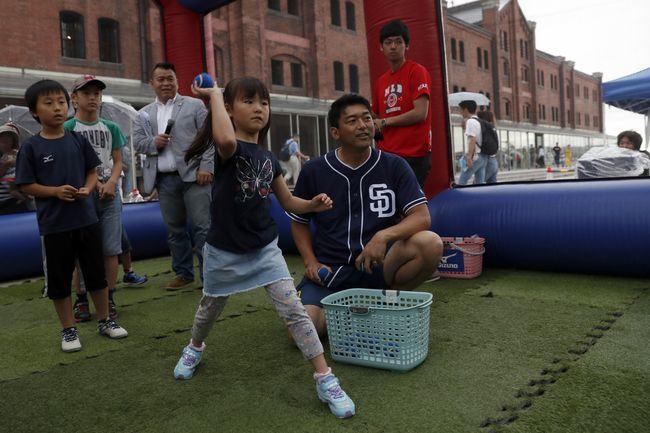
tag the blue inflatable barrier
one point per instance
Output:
(20, 242)
(594, 227)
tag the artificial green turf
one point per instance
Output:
(509, 351)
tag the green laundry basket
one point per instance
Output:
(383, 329)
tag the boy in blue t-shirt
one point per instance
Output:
(58, 167)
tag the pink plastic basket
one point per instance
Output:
(462, 257)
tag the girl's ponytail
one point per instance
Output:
(202, 141)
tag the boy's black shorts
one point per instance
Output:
(61, 250)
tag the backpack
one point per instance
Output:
(489, 138)
(284, 154)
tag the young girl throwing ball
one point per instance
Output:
(241, 251)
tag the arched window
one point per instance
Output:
(453, 49)
(73, 39)
(353, 72)
(335, 12)
(219, 66)
(350, 16)
(461, 51)
(339, 80)
(109, 40)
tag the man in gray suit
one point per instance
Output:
(163, 132)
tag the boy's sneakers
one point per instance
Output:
(112, 310)
(187, 364)
(179, 282)
(111, 329)
(133, 279)
(330, 392)
(81, 311)
(70, 340)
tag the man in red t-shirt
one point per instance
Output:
(401, 102)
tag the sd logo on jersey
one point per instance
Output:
(382, 200)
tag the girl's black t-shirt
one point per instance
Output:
(241, 218)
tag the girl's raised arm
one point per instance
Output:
(223, 133)
(291, 203)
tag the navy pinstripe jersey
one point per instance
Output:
(367, 199)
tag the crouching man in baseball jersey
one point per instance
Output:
(377, 233)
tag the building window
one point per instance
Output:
(479, 57)
(353, 72)
(542, 75)
(586, 92)
(73, 43)
(461, 51)
(453, 49)
(293, 7)
(109, 40)
(568, 116)
(339, 81)
(586, 120)
(524, 74)
(486, 65)
(526, 110)
(521, 48)
(505, 41)
(594, 96)
(463, 89)
(296, 75)
(544, 112)
(507, 107)
(277, 72)
(526, 49)
(335, 12)
(595, 121)
(350, 17)
(274, 5)
(577, 90)
(455, 89)
(506, 68)
(578, 117)
(218, 64)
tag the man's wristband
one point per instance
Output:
(382, 124)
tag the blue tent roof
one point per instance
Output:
(630, 93)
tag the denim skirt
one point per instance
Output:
(226, 273)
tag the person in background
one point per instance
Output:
(557, 150)
(401, 102)
(12, 200)
(107, 141)
(541, 162)
(492, 165)
(296, 158)
(568, 155)
(474, 159)
(163, 131)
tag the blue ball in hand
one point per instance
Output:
(204, 80)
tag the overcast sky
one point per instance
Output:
(608, 36)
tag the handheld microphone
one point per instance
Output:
(170, 125)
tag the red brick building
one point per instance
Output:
(538, 98)
(306, 52)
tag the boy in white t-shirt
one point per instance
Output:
(474, 159)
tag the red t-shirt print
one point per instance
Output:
(394, 94)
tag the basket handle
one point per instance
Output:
(464, 251)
